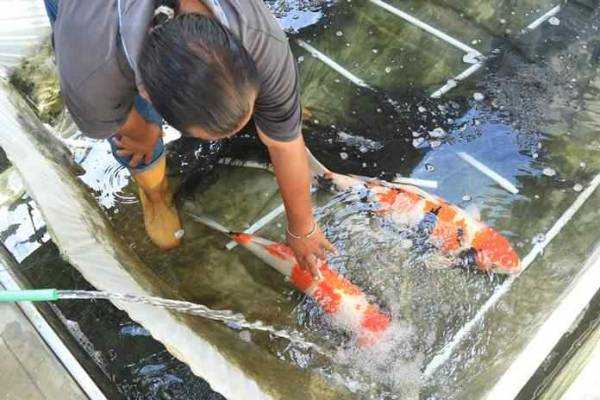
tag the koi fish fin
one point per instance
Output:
(364, 178)
(473, 211)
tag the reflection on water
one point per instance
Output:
(22, 228)
(103, 173)
(294, 15)
(539, 112)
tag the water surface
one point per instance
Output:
(534, 119)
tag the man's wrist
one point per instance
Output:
(308, 235)
(301, 228)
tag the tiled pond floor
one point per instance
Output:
(529, 110)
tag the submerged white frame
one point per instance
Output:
(446, 352)
(470, 52)
(515, 377)
(559, 323)
(452, 83)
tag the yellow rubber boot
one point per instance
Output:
(160, 216)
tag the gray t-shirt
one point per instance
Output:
(98, 43)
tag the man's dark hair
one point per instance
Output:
(197, 73)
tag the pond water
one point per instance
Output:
(530, 112)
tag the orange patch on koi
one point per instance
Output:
(301, 278)
(429, 207)
(446, 213)
(374, 320)
(448, 235)
(339, 283)
(494, 250)
(242, 238)
(327, 297)
(388, 198)
(280, 251)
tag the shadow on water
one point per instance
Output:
(534, 122)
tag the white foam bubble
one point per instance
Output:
(393, 361)
(549, 171)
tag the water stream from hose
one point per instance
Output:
(228, 317)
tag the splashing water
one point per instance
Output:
(391, 265)
(393, 362)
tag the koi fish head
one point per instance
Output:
(277, 255)
(494, 253)
(330, 180)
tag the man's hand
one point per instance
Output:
(310, 252)
(137, 138)
(293, 175)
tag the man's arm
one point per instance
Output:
(293, 176)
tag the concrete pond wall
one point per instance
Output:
(529, 110)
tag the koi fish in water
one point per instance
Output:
(450, 229)
(346, 304)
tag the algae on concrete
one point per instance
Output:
(37, 80)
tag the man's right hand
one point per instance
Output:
(137, 138)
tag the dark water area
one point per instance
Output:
(531, 113)
(125, 354)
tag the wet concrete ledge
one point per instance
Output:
(28, 368)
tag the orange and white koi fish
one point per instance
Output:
(346, 304)
(452, 230)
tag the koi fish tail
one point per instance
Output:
(346, 304)
(328, 180)
(276, 255)
(317, 169)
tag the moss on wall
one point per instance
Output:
(37, 80)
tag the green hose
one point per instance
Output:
(10, 296)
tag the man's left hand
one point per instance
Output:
(139, 148)
(137, 138)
